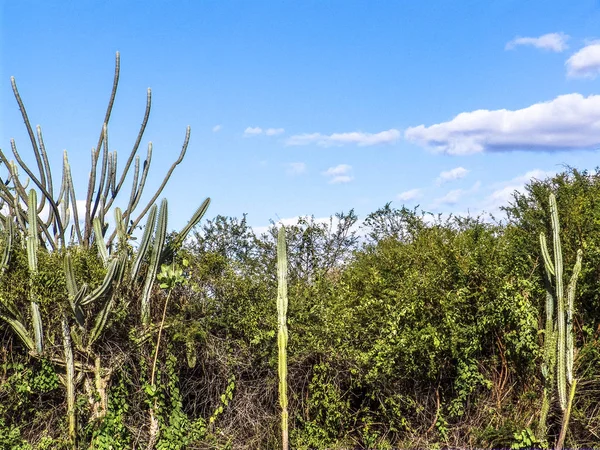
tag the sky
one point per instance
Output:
(312, 107)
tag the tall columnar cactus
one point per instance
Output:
(104, 183)
(559, 345)
(282, 332)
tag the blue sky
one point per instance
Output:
(313, 107)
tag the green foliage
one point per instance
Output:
(424, 334)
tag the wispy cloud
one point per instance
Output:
(585, 63)
(455, 195)
(555, 42)
(568, 122)
(274, 131)
(451, 175)
(407, 196)
(255, 131)
(217, 128)
(296, 168)
(503, 192)
(341, 173)
(337, 139)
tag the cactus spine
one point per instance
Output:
(282, 332)
(559, 348)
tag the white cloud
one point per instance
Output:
(585, 63)
(451, 175)
(253, 131)
(341, 173)
(296, 168)
(290, 221)
(503, 192)
(568, 122)
(337, 139)
(555, 42)
(274, 131)
(455, 195)
(217, 128)
(412, 194)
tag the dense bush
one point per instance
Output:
(409, 332)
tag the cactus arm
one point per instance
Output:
(120, 226)
(103, 174)
(144, 243)
(101, 320)
(166, 178)
(42, 188)
(88, 201)
(282, 334)
(9, 236)
(45, 159)
(136, 145)
(106, 283)
(138, 192)
(74, 293)
(95, 154)
(36, 150)
(159, 241)
(70, 276)
(71, 191)
(21, 331)
(32, 247)
(570, 300)
(548, 264)
(193, 221)
(180, 238)
(102, 250)
(104, 134)
(136, 175)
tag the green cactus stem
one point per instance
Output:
(559, 348)
(282, 333)
(32, 248)
(157, 249)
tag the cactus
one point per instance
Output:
(32, 246)
(104, 183)
(144, 243)
(8, 238)
(282, 332)
(559, 348)
(157, 249)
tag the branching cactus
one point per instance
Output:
(559, 347)
(104, 183)
(282, 332)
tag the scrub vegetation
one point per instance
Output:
(410, 331)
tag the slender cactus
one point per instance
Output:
(558, 341)
(282, 333)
